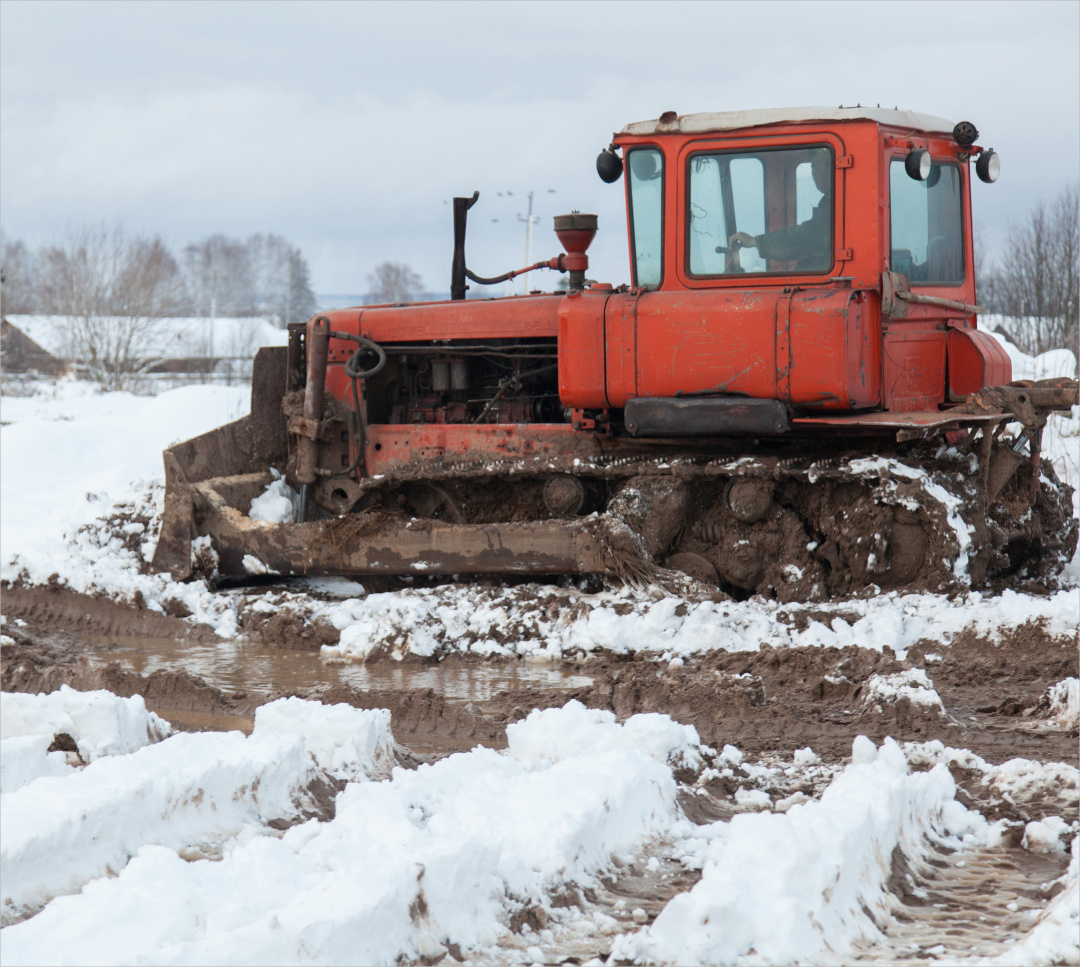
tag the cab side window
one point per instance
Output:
(646, 183)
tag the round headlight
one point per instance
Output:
(917, 164)
(609, 166)
(988, 167)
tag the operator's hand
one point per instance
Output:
(742, 240)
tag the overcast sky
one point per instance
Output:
(347, 127)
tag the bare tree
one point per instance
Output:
(221, 277)
(1034, 286)
(283, 280)
(109, 290)
(394, 282)
(17, 278)
(264, 275)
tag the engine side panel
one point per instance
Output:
(914, 367)
(811, 348)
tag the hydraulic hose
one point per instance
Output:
(507, 276)
(353, 371)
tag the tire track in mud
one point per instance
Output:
(972, 903)
(762, 701)
(585, 921)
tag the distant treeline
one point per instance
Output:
(98, 270)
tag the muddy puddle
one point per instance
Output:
(247, 667)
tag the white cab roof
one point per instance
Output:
(731, 120)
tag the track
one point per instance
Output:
(973, 903)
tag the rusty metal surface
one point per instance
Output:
(926, 419)
(247, 445)
(307, 452)
(360, 544)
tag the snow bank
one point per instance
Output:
(1056, 362)
(552, 735)
(345, 742)
(185, 792)
(1051, 785)
(796, 885)
(100, 722)
(56, 834)
(74, 456)
(437, 856)
(26, 758)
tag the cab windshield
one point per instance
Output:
(768, 211)
(927, 225)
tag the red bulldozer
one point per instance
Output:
(791, 397)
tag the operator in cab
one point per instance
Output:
(807, 245)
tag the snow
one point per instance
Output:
(1044, 836)
(414, 863)
(276, 503)
(187, 791)
(26, 758)
(72, 454)
(100, 723)
(552, 735)
(1018, 780)
(913, 684)
(429, 857)
(791, 886)
(344, 742)
(429, 622)
(1064, 702)
(59, 833)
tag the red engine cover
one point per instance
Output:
(814, 348)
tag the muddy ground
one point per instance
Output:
(767, 703)
(772, 701)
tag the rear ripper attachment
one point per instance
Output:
(762, 409)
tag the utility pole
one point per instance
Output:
(528, 220)
(288, 294)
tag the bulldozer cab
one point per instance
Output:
(807, 197)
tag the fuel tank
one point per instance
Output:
(814, 348)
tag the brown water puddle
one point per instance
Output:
(246, 667)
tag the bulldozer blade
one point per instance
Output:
(211, 480)
(366, 544)
(252, 443)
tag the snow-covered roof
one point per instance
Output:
(731, 120)
(169, 338)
